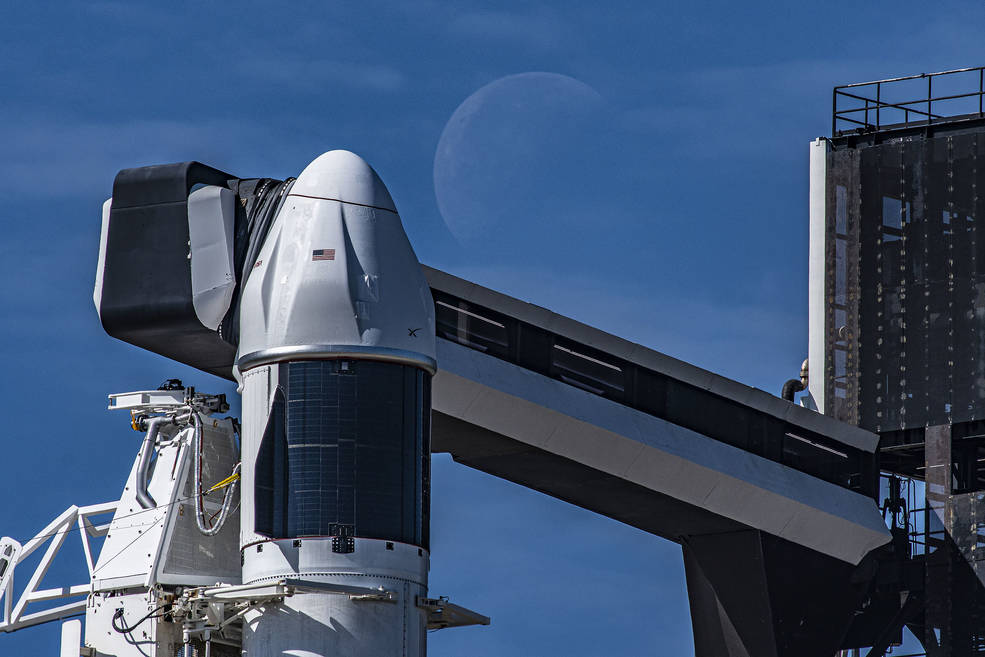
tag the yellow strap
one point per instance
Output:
(225, 482)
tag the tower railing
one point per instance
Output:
(908, 101)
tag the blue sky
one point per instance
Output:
(657, 190)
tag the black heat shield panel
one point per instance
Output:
(147, 292)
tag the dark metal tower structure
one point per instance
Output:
(903, 335)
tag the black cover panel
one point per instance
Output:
(346, 453)
(147, 292)
(906, 282)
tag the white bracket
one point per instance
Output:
(442, 614)
(72, 519)
(276, 589)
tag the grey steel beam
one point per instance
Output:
(600, 454)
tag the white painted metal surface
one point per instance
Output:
(258, 388)
(97, 291)
(71, 638)
(151, 637)
(367, 603)
(815, 272)
(148, 555)
(303, 559)
(211, 221)
(160, 545)
(18, 613)
(10, 551)
(337, 276)
(152, 401)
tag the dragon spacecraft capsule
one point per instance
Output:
(309, 294)
(336, 353)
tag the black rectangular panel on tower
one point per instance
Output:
(905, 282)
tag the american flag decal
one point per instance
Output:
(323, 254)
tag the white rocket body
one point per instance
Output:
(335, 356)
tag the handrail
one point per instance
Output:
(874, 105)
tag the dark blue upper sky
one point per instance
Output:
(651, 181)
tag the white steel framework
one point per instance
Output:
(74, 518)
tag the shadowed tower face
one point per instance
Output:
(898, 325)
(746, 603)
(906, 281)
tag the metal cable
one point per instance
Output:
(206, 526)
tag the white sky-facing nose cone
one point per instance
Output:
(343, 176)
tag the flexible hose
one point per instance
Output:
(790, 388)
(123, 629)
(144, 498)
(206, 526)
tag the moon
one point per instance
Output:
(518, 160)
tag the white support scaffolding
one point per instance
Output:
(72, 519)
